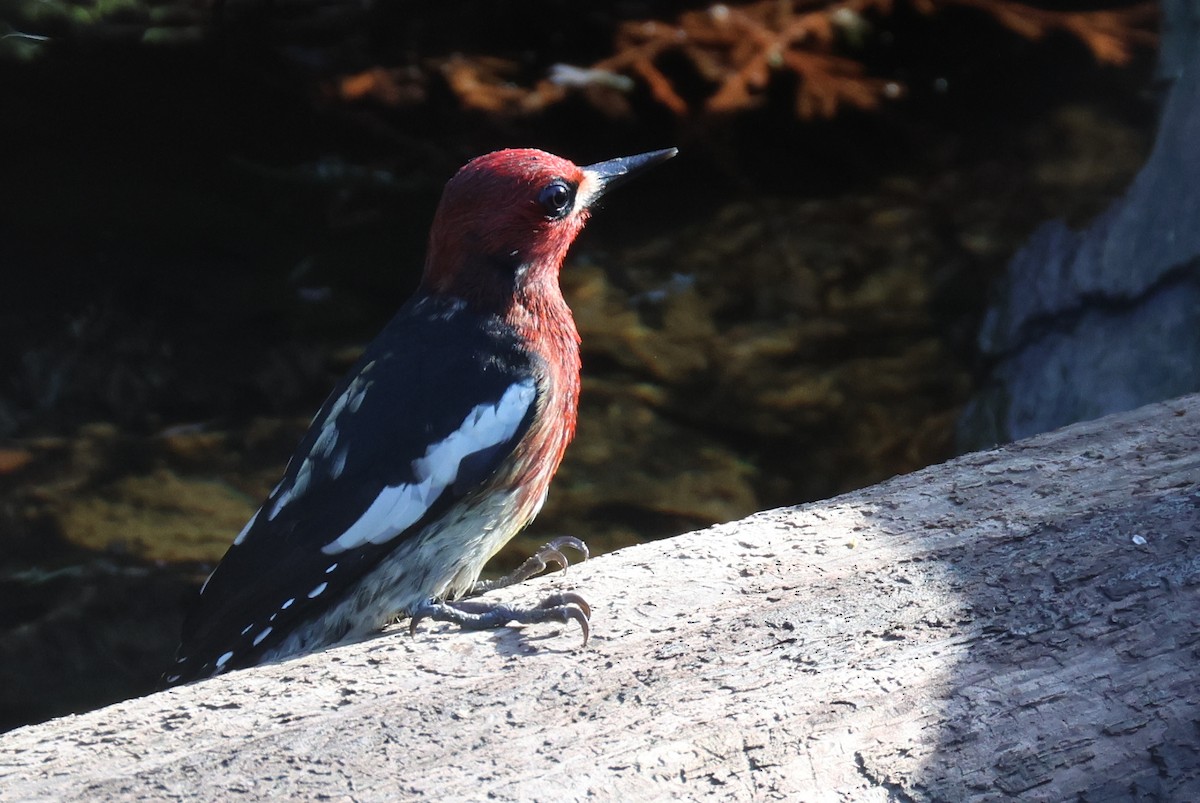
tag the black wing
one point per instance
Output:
(324, 527)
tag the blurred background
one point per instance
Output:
(208, 207)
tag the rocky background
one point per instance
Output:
(206, 211)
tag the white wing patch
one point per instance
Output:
(398, 507)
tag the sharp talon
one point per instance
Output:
(571, 607)
(581, 615)
(586, 626)
(569, 540)
(565, 598)
(552, 552)
(552, 556)
(536, 564)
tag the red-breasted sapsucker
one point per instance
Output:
(438, 446)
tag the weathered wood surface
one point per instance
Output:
(1019, 623)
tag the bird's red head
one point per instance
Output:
(506, 220)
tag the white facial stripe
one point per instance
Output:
(398, 507)
(589, 188)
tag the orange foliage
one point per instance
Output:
(738, 48)
(1109, 34)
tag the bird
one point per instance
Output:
(435, 449)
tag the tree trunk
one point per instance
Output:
(1022, 622)
(1105, 319)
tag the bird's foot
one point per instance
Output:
(535, 565)
(563, 607)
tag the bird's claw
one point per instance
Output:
(551, 552)
(537, 563)
(567, 598)
(561, 607)
(555, 547)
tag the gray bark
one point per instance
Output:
(1017, 623)
(1106, 319)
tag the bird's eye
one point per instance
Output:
(557, 198)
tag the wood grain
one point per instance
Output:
(1018, 623)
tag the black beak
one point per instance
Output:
(616, 172)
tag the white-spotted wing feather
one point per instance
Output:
(399, 507)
